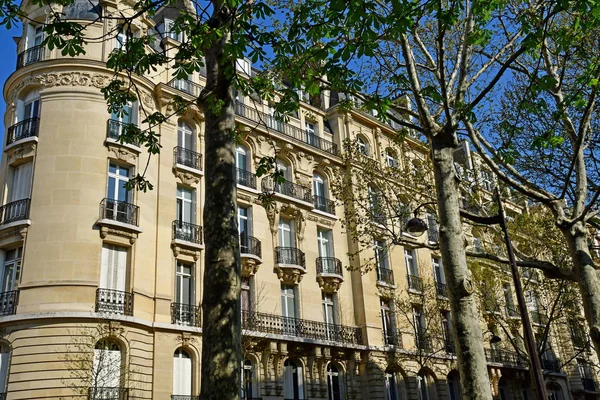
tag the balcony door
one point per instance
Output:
(4, 360)
(185, 140)
(244, 227)
(325, 245)
(128, 116)
(438, 270)
(288, 309)
(293, 386)
(106, 371)
(182, 374)
(185, 213)
(11, 263)
(241, 158)
(21, 184)
(387, 321)
(113, 270)
(117, 207)
(286, 233)
(184, 284)
(334, 388)
(31, 109)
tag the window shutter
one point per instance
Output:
(177, 375)
(104, 267)
(121, 268)
(186, 376)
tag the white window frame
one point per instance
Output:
(11, 266)
(381, 256)
(410, 260)
(182, 373)
(436, 264)
(363, 146)
(285, 230)
(390, 160)
(180, 279)
(183, 202)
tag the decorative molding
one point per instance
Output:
(186, 177)
(329, 283)
(52, 79)
(20, 152)
(249, 266)
(182, 250)
(121, 153)
(385, 291)
(117, 234)
(289, 275)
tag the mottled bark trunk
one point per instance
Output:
(587, 279)
(221, 325)
(472, 364)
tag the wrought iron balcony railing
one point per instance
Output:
(187, 231)
(187, 157)
(108, 393)
(185, 314)
(423, 342)
(186, 86)
(329, 265)
(441, 289)
(277, 324)
(250, 245)
(284, 128)
(8, 302)
(30, 56)
(120, 211)
(290, 255)
(115, 128)
(14, 211)
(22, 130)
(589, 384)
(504, 357)
(324, 204)
(246, 178)
(392, 337)
(114, 301)
(415, 282)
(385, 275)
(287, 188)
(551, 364)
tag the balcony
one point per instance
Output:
(287, 188)
(441, 289)
(251, 254)
(30, 56)
(8, 302)
(186, 86)
(324, 204)
(182, 397)
(116, 128)
(286, 129)
(185, 314)
(108, 393)
(538, 317)
(414, 282)
(114, 301)
(119, 211)
(187, 232)
(551, 364)
(506, 358)
(392, 338)
(589, 384)
(329, 274)
(22, 130)
(290, 264)
(279, 325)
(385, 275)
(14, 211)
(246, 178)
(187, 158)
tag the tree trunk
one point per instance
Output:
(221, 325)
(587, 279)
(472, 363)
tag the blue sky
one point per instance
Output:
(9, 60)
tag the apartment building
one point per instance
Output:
(101, 287)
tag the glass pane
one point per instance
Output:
(122, 191)
(111, 188)
(123, 171)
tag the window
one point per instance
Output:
(4, 361)
(118, 176)
(293, 385)
(432, 228)
(113, 270)
(388, 323)
(329, 306)
(241, 158)
(182, 373)
(250, 381)
(122, 38)
(586, 374)
(411, 263)
(578, 334)
(390, 159)
(243, 65)
(319, 187)
(325, 242)
(477, 245)
(128, 114)
(487, 180)
(286, 233)
(185, 136)
(334, 388)
(421, 339)
(186, 205)
(244, 221)
(423, 386)
(21, 182)
(35, 36)
(311, 135)
(285, 170)
(246, 296)
(554, 392)
(376, 206)
(391, 386)
(288, 309)
(10, 268)
(184, 283)
(446, 319)
(106, 372)
(438, 270)
(454, 389)
(274, 120)
(511, 310)
(381, 259)
(363, 147)
(170, 31)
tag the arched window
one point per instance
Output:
(285, 169)
(106, 373)
(334, 384)
(425, 386)
(241, 158)
(363, 147)
(390, 158)
(250, 381)
(391, 386)
(554, 392)
(293, 385)
(321, 201)
(28, 106)
(454, 390)
(182, 373)
(185, 136)
(4, 360)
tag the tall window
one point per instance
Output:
(376, 206)
(293, 385)
(186, 205)
(285, 169)
(388, 323)
(555, 392)
(438, 270)
(182, 373)
(121, 39)
(325, 242)
(21, 183)
(432, 228)
(170, 31)
(390, 158)
(4, 361)
(381, 260)
(420, 328)
(241, 158)
(412, 271)
(511, 310)
(129, 114)
(311, 135)
(10, 268)
(184, 283)
(185, 136)
(319, 187)
(246, 298)
(447, 331)
(334, 387)
(118, 176)
(286, 233)
(454, 386)
(106, 372)
(328, 301)
(288, 309)
(363, 147)
(423, 386)
(113, 270)
(586, 374)
(391, 386)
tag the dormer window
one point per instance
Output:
(170, 31)
(243, 65)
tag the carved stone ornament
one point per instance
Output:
(147, 100)
(105, 231)
(186, 177)
(19, 152)
(249, 266)
(180, 249)
(290, 275)
(74, 79)
(329, 283)
(385, 291)
(116, 151)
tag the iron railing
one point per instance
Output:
(181, 397)
(392, 337)
(441, 289)
(293, 132)
(324, 204)
(551, 364)
(290, 255)
(329, 265)
(187, 231)
(189, 158)
(30, 56)
(8, 302)
(385, 275)
(185, 314)
(277, 324)
(250, 245)
(14, 211)
(115, 128)
(423, 342)
(108, 393)
(287, 188)
(504, 357)
(246, 178)
(589, 384)
(415, 282)
(114, 301)
(186, 86)
(22, 130)
(120, 211)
